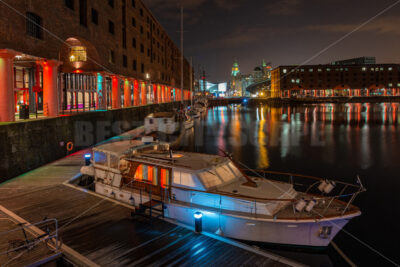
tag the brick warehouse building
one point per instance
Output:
(336, 80)
(79, 55)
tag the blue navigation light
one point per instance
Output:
(87, 156)
(245, 100)
(198, 215)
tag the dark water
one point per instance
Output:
(336, 141)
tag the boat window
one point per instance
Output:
(114, 161)
(225, 173)
(100, 158)
(210, 179)
(165, 121)
(234, 169)
(151, 121)
(152, 175)
(184, 178)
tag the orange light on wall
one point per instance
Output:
(164, 178)
(150, 174)
(139, 173)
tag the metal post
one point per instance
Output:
(182, 54)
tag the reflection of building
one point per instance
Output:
(255, 82)
(77, 41)
(336, 80)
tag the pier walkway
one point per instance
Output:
(98, 231)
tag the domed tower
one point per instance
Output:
(236, 84)
(235, 69)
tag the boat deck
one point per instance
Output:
(99, 231)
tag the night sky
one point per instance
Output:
(279, 31)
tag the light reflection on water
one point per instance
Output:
(328, 140)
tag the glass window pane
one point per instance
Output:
(187, 179)
(234, 169)
(225, 173)
(210, 179)
(114, 161)
(100, 158)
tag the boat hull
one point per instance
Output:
(251, 229)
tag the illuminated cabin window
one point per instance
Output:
(78, 54)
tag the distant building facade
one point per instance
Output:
(336, 80)
(356, 61)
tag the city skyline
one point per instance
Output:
(281, 32)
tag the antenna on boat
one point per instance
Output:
(250, 182)
(182, 56)
(170, 154)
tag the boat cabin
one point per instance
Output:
(165, 122)
(130, 170)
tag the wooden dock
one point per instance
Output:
(97, 231)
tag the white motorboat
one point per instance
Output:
(199, 107)
(193, 113)
(188, 122)
(162, 122)
(306, 211)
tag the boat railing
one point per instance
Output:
(342, 192)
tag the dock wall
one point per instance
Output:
(26, 145)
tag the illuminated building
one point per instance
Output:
(119, 40)
(254, 83)
(336, 80)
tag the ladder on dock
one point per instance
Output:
(155, 207)
(152, 206)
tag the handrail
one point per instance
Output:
(301, 175)
(50, 235)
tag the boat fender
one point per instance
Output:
(330, 186)
(311, 205)
(300, 205)
(322, 185)
(87, 170)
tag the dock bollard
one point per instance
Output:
(198, 222)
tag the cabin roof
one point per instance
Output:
(185, 160)
(119, 147)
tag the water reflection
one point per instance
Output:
(326, 140)
(303, 130)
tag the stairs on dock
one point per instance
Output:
(151, 209)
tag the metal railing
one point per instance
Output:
(28, 238)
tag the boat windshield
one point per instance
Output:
(210, 179)
(223, 174)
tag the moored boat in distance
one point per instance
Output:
(241, 204)
(163, 122)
